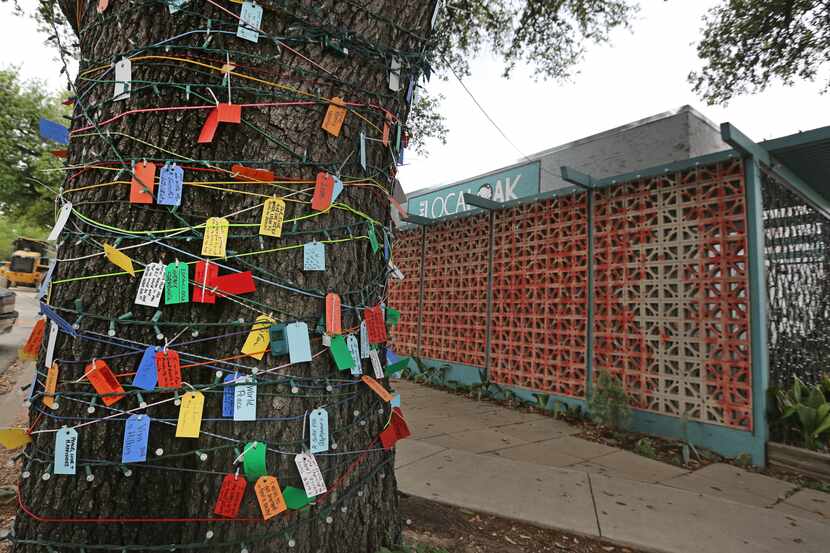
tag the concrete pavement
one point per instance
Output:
(11, 404)
(480, 456)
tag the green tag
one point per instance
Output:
(295, 498)
(253, 462)
(396, 367)
(279, 346)
(176, 283)
(392, 316)
(373, 239)
(340, 352)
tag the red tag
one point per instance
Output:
(322, 192)
(32, 347)
(230, 496)
(143, 183)
(229, 113)
(397, 430)
(333, 314)
(236, 283)
(60, 153)
(205, 280)
(104, 382)
(250, 174)
(209, 128)
(168, 369)
(375, 325)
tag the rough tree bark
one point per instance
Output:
(363, 509)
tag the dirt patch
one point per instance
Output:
(461, 531)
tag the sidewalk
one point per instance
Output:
(529, 467)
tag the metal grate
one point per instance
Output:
(404, 295)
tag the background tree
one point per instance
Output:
(748, 45)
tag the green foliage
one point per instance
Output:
(25, 160)
(806, 409)
(608, 403)
(11, 228)
(645, 448)
(748, 44)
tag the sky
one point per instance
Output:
(641, 72)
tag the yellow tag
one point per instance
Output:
(258, 339)
(216, 237)
(119, 258)
(227, 67)
(190, 415)
(12, 438)
(51, 385)
(273, 213)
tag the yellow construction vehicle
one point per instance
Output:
(28, 263)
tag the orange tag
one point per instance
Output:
(377, 388)
(104, 382)
(102, 5)
(386, 129)
(143, 183)
(335, 115)
(333, 326)
(321, 200)
(269, 495)
(168, 369)
(250, 174)
(51, 386)
(31, 348)
(63, 154)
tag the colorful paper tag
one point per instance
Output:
(31, 348)
(253, 460)
(377, 366)
(310, 474)
(377, 388)
(375, 324)
(333, 325)
(335, 115)
(215, 240)
(269, 496)
(151, 285)
(63, 217)
(354, 350)
(104, 382)
(136, 434)
(190, 415)
(250, 18)
(341, 354)
(244, 400)
(123, 79)
(66, 451)
(146, 376)
(323, 192)
(143, 183)
(318, 431)
(119, 258)
(258, 339)
(12, 438)
(236, 283)
(295, 498)
(314, 256)
(171, 180)
(205, 281)
(250, 174)
(50, 343)
(228, 395)
(51, 385)
(362, 150)
(273, 215)
(230, 496)
(373, 238)
(176, 283)
(169, 369)
(279, 344)
(299, 345)
(364, 341)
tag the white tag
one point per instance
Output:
(151, 285)
(354, 349)
(378, 368)
(63, 217)
(310, 474)
(396, 273)
(252, 15)
(244, 400)
(123, 79)
(326, 340)
(66, 450)
(395, 74)
(364, 341)
(50, 346)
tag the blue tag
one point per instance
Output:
(299, 346)
(44, 284)
(227, 396)
(53, 131)
(338, 188)
(391, 358)
(410, 91)
(387, 247)
(60, 321)
(250, 18)
(314, 256)
(278, 343)
(146, 377)
(244, 400)
(396, 401)
(318, 431)
(354, 349)
(363, 150)
(66, 451)
(136, 433)
(170, 185)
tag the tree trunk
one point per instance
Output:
(107, 505)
